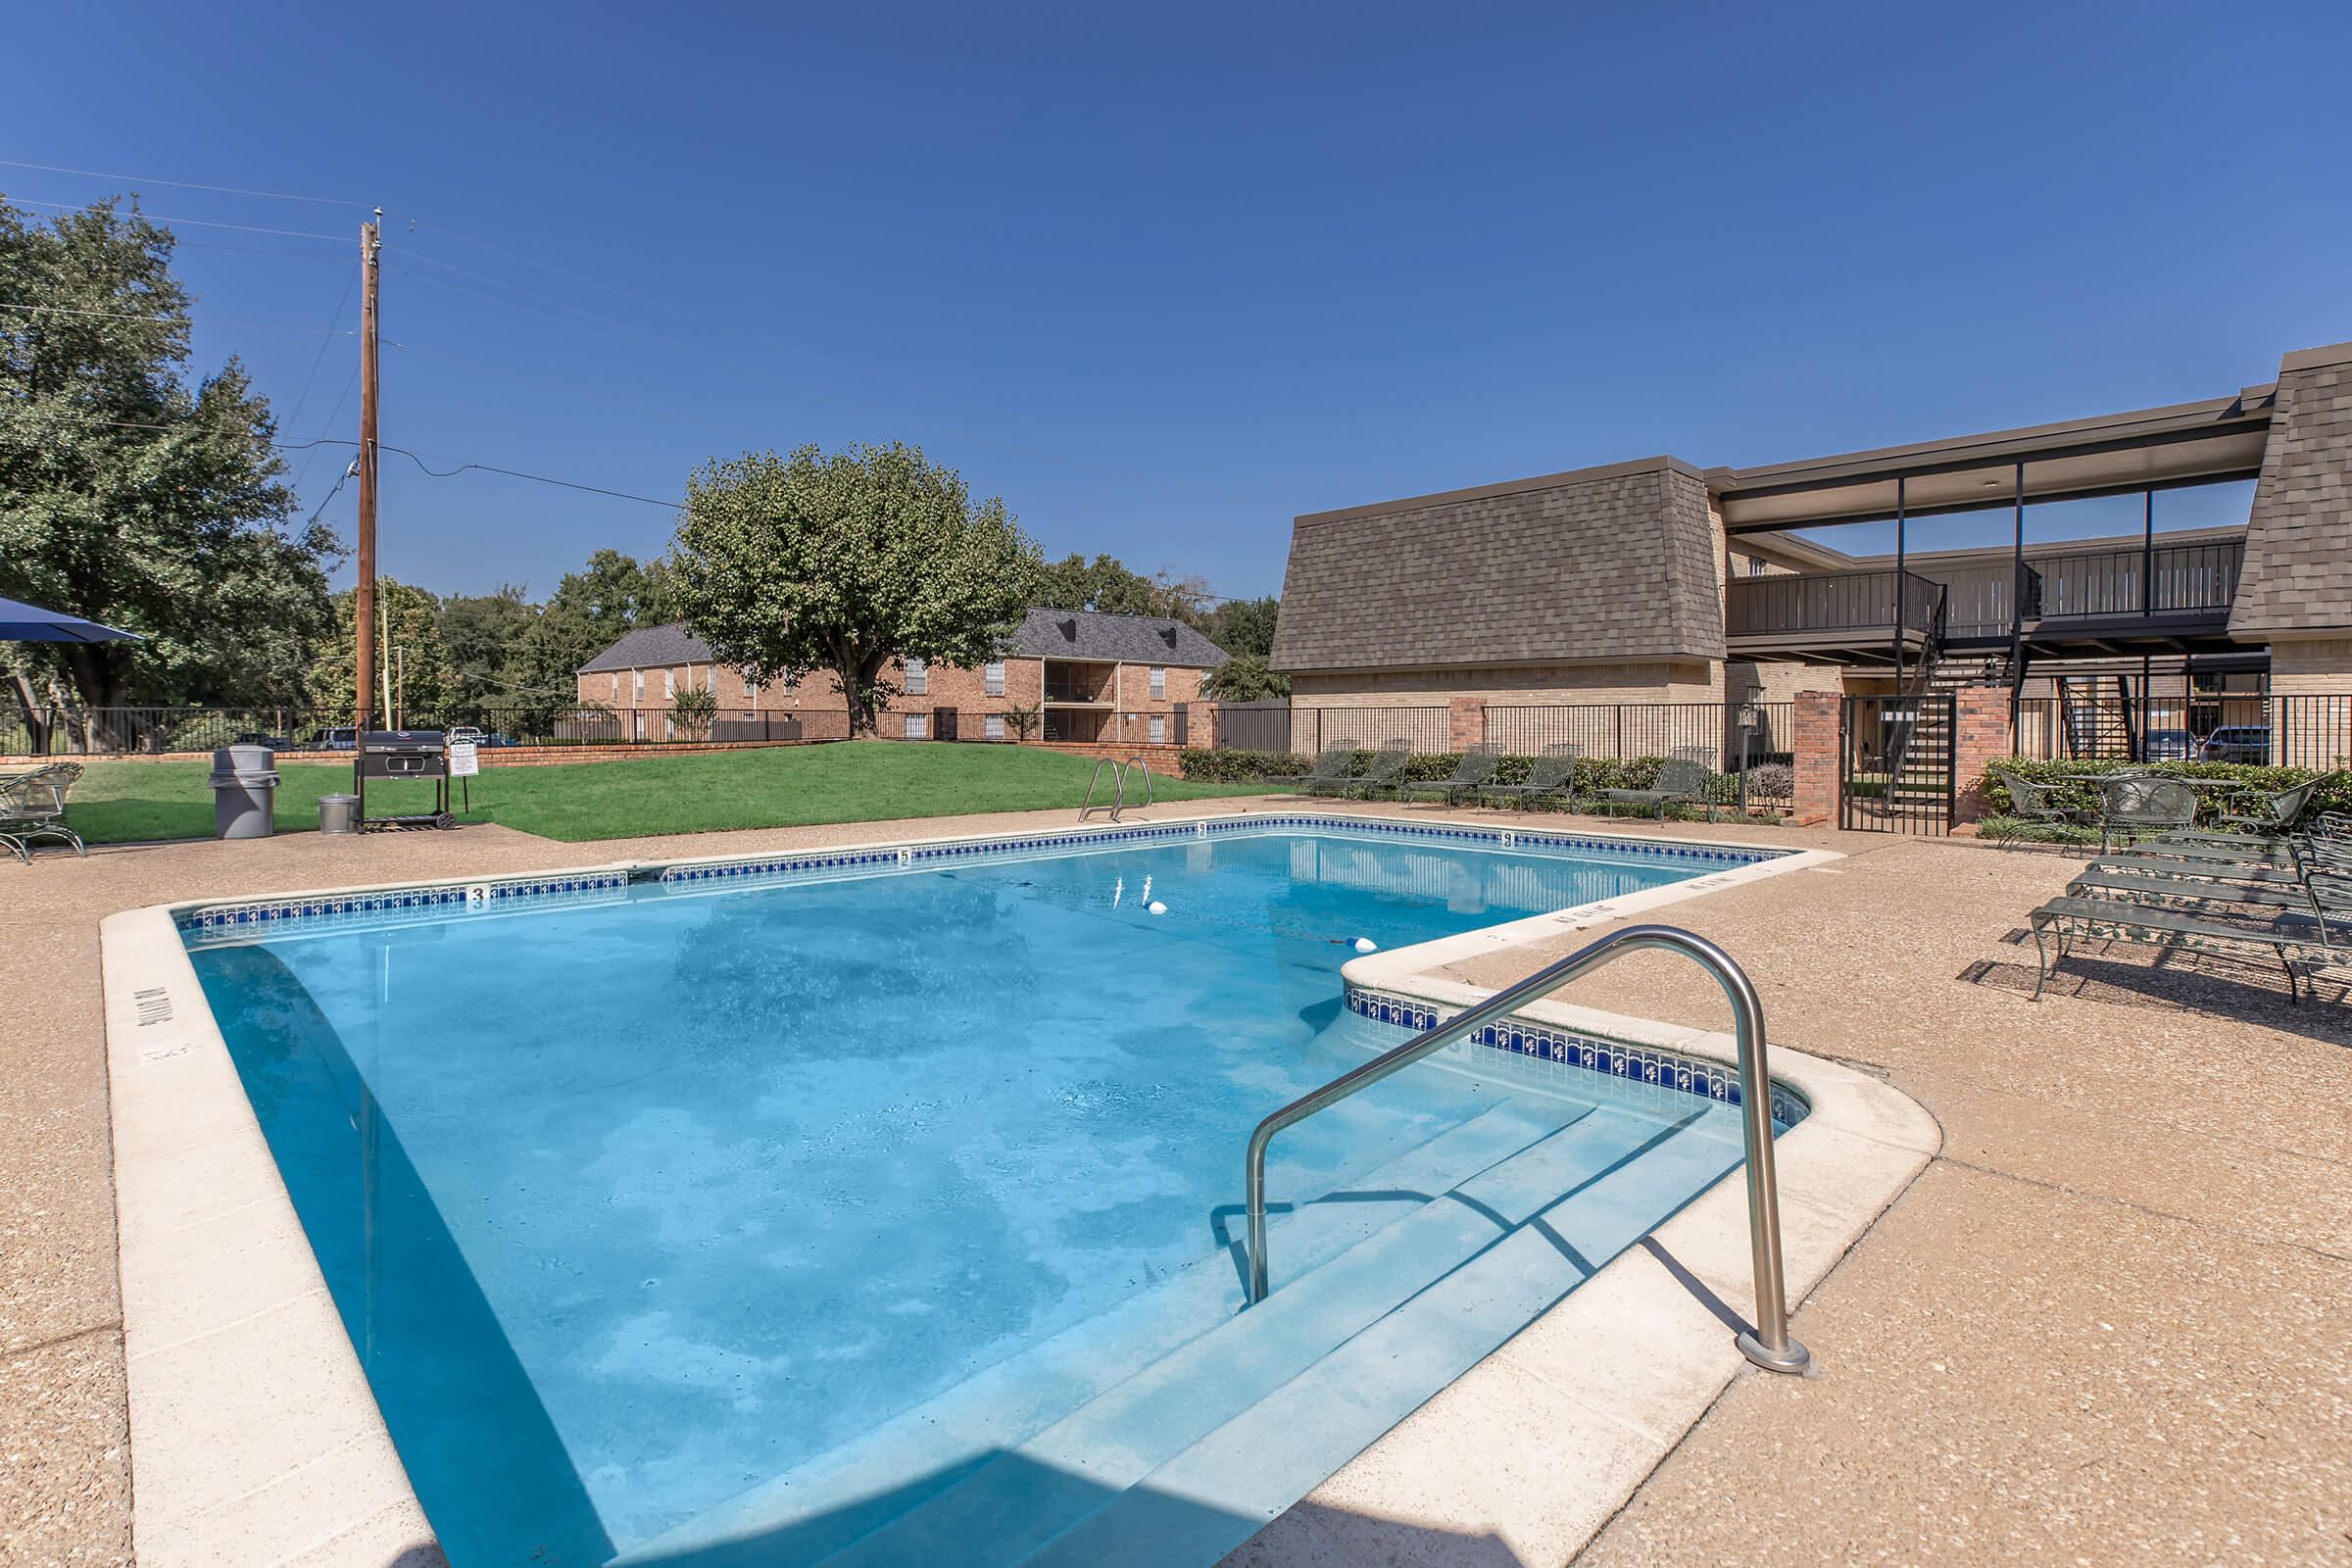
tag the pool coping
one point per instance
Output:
(255, 1436)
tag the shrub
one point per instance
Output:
(1593, 773)
(2333, 796)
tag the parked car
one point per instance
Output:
(2239, 743)
(2167, 745)
(342, 738)
(467, 735)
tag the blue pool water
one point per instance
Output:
(645, 1215)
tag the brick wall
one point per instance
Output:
(1817, 718)
(1980, 735)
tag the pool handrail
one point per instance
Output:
(1768, 1346)
(1118, 779)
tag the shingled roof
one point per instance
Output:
(1041, 634)
(2298, 570)
(1599, 564)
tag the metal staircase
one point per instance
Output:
(2097, 726)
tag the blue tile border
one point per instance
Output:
(244, 919)
(869, 860)
(1664, 1070)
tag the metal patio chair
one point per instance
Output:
(1550, 776)
(32, 808)
(2040, 802)
(1330, 768)
(1383, 771)
(2134, 803)
(1681, 782)
(1474, 771)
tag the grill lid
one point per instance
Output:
(401, 741)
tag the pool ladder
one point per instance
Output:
(1118, 778)
(1768, 1346)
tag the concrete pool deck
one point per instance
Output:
(2107, 1320)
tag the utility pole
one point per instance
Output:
(364, 612)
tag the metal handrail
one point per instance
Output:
(1768, 1345)
(1118, 778)
(1135, 763)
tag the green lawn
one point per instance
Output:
(785, 787)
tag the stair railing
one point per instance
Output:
(1768, 1346)
(1915, 695)
(1118, 779)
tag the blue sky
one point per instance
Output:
(1166, 277)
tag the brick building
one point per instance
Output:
(2202, 550)
(1091, 678)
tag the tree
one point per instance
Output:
(1106, 584)
(133, 497)
(481, 634)
(692, 712)
(1244, 625)
(408, 653)
(789, 564)
(1244, 679)
(1023, 720)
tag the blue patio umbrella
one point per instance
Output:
(21, 622)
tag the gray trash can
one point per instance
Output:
(339, 814)
(244, 785)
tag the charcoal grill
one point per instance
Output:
(404, 754)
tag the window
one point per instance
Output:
(750, 693)
(1160, 730)
(1159, 683)
(995, 726)
(993, 677)
(637, 685)
(918, 726)
(669, 684)
(617, 685)
(918, 678)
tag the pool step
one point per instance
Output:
(1224, 1487)
(1245, 1419)
(832, 1499)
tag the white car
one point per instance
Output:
(464, 735)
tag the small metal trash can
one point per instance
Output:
(244, 785)
(339, 814)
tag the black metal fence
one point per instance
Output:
(1724, 731)
(2135, 726)
(1424, 728)
(1252, 726)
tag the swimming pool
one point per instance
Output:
(876, 1205)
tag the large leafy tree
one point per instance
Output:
(814, 561)
(1244, 679)
(424, 684)
(1105, 583)
(136, 496)
(1244, 625)
(481, 633)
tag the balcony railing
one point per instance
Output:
(2167, 580)
(1829, 604)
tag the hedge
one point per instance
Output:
(2333, 796)
(1769, 784)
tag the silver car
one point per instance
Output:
(2239, 743)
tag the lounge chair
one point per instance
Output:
(1550, 776)
(1473, 770)
(2276, 813)
(32, 808)
(2138, 802)
(1681, 782)
(2040, 802)
(1382, 772)
(1331, 767)
(2300, 944)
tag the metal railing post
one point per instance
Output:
(1768, 1345)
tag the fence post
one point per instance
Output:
(1816, 758)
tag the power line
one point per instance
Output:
(200, 222)
(348, 383)
(325, 343)
(539, 478)
(182, 184)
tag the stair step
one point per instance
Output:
(1020, 1500)
(1224, 1487)
(833, 1498)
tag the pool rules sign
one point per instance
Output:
(465, 762)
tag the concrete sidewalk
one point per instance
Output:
(2110, 1322)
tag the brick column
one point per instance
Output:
(1816, 720)
(1466, 722)
(1980, 735)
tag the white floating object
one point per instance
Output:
(1366, 944)
(1156, 907)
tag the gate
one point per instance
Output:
(943, 723)
(1895, 764)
